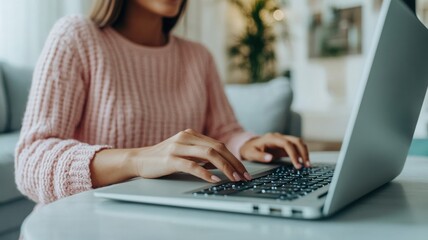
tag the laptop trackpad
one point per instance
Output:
(253, 168)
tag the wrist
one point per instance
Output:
(243, 147)
(131, 162)
(111, 166)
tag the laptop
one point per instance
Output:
(373, 152)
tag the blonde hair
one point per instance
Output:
(106, 12)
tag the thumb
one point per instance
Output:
(257, 155)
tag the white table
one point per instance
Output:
(397, 211)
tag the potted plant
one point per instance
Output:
(253, 50)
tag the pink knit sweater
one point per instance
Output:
(93, 89)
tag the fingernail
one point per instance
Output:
(236, 176)
(247, 176)
(298, 166)
(268, 157)
(215, 178)
(308, 164)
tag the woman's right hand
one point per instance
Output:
(186, 152)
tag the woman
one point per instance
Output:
(112, 98)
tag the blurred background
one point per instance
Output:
(289, 66)
(319, 46)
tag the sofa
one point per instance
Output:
(14, 87)
(264, 107)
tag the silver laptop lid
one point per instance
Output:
(388, 104)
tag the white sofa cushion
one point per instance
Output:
(262, 107)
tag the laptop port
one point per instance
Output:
(255, 208)
(296, 213)
(275, 211)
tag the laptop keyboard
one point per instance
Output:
(282, 183)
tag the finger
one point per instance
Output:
(222, 150)
(290, 149)
(208, 154)
(257, 155)
(190, 167)
(302, 148)
(292, 153)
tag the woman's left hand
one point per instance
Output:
(275, 145)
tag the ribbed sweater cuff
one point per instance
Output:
(79, 178)
(237, 140)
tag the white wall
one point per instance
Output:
(325, 87)
(206, 21)
(25, 24)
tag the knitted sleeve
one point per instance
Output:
(221, 123)
(49, 163)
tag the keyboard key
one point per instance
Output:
(226, 192)
(256, 195)
(288, 198)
